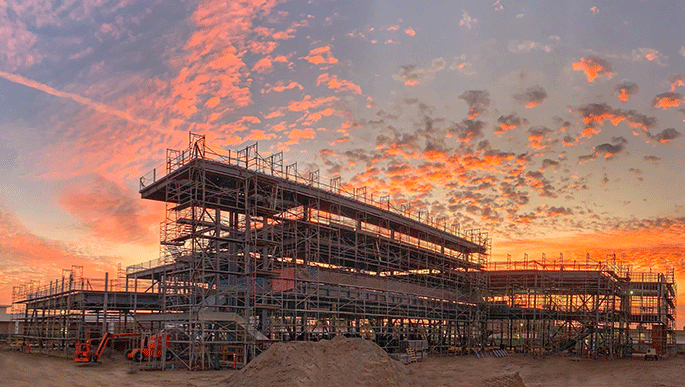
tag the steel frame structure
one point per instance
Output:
(592, 308)
(74, 309)
(255, 252)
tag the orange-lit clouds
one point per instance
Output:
(595, 114)
(593, 67)
(649, 55)
(676, 80)
(410, 31)
(308, 102)
(321, 55)
(412, 75)
(296, 135)
(109, 211)
(594, 10)
(606, 150)
(538, 138)
(667, 100)
(531, 97)
(25, 256)
(666, 135)
(625, 90)
(509, 122)
(213, 56)
(655, 243)
(263, 65)
(478, 101)
(280, 87)
(336, 84)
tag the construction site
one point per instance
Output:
(254, 252)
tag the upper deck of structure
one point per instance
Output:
(232, 169)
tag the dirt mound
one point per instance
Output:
(513, 380)
(337, 362)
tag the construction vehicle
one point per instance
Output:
(153, 347)
(88, 353)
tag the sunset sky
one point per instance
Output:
(556, 126)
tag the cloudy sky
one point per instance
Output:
(557, 127)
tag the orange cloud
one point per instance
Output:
(280, 87)
(321, 55)
(263, 65)
(296, 135)
(26, 257)
(337, 84)
(676, 80)
(308, 103)
(111, 212)
(212, 61)
(593, 67)
(667, 100)
(623, 95)
(410, 31)
(263, 48)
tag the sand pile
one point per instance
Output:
(512, 380)
(337, 362)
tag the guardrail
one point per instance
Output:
(250, 159)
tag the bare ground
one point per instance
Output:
(22, 369)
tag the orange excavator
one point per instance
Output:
(88, 353)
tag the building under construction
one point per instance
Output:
(254, 252)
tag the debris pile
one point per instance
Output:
(337, 362)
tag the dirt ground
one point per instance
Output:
(22, 369)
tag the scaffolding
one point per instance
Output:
(74, 308)
(590, 308)
(253, 252)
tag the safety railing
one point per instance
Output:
(249, 158)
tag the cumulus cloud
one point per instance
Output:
(676, 80)
(606, 150)
(467, 130)
(509, 122)
(531, 96)
(625, 90)
(538, 137)
(667, 100)
(478, 101)
(280, 86)
(321, 55)
(467, 21)
(666, 135)
(649, 55)
(334, 83)
(460, 64)
(594, 67)
(595, 114)
(412, 75)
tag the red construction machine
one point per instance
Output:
(153, 347)
(87, 352)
